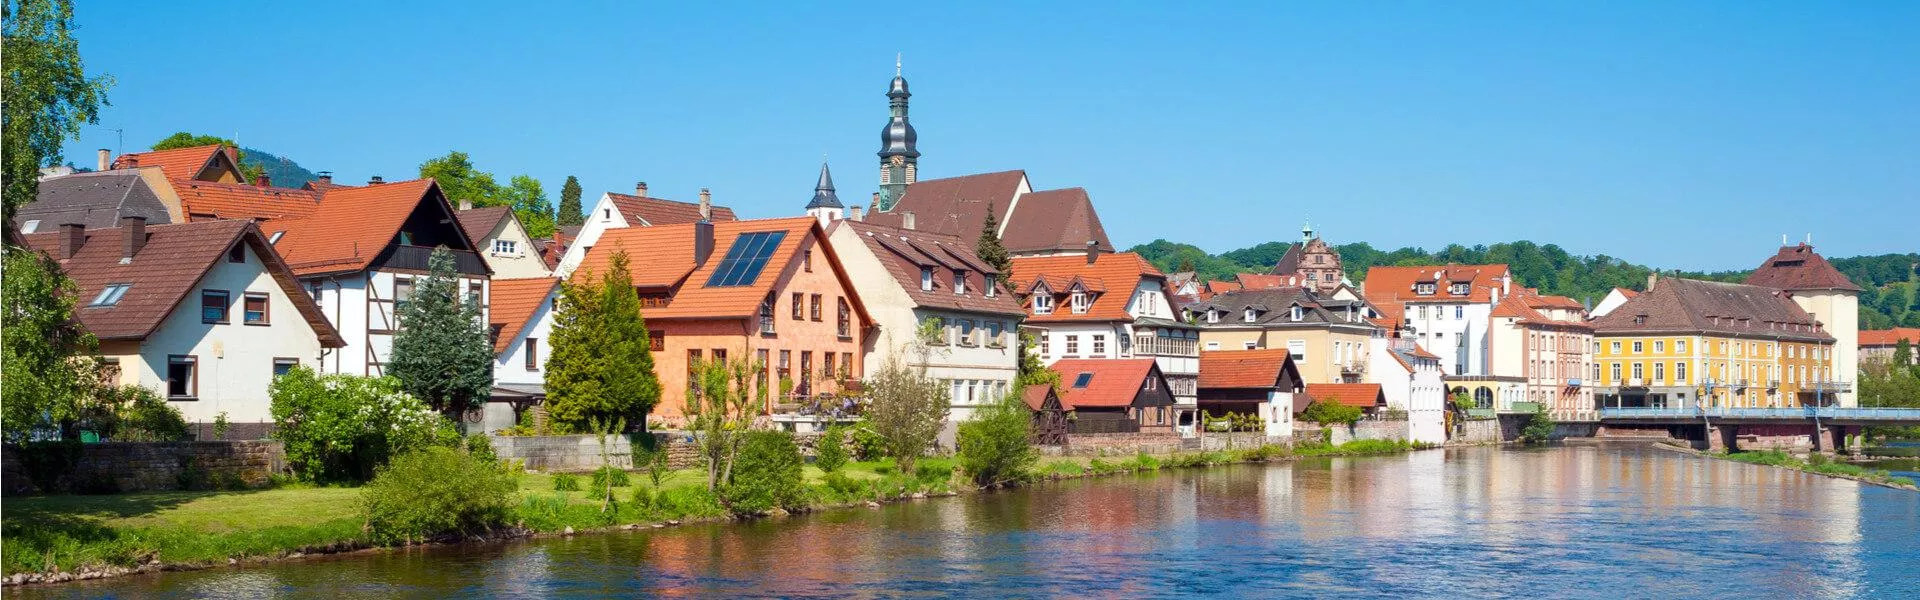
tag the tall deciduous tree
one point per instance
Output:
(461, 181)
(570, 203)
(49, 371)
(907, 407)
(441, 353)
(602, 363)
(529, 202)
(722, 411)
(48, 93)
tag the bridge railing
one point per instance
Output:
(1724, 412)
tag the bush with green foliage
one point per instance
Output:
(342, 427)
(995, 447)
(481, 447)
(766, 475)
(435, 491)
(830, 452)
(610, 474)
(867, 445)
(132, 413)
(566, 482)
(1539, 429)
(1326, 412)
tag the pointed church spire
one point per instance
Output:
(823, 195)
(899, 159)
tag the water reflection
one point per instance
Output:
(1566, 522)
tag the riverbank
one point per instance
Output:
(1817, 466)
(50, 539)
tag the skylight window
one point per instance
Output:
(31, 226)
(275, 238)
(111, 295)
(1082, 380)
(746, 258)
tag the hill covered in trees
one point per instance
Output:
(282, 170)
(1890, 280)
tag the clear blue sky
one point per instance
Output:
(1682, 135)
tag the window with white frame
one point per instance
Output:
(1298, 348)
(506, 248)
(1213, 316)
(1099, 345)
(1079, 302)
(1458, 289)
(1251, 314)
(959, 282)
(1042, 303)
(1073, 345)
(926, 279)
(1297, 313)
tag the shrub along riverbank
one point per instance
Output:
(1817, 463)
(108, 535)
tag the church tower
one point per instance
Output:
(825, 206)
(898, 158)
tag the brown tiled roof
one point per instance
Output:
(1626, 293)
(1114, 276)
(163, 273)
(1234, 369)
(1390, 288)
(904, 252)
(1800, 268)
(1362, 395)
(1289, 262)
(955, 206)
(206, 199)
(1258, 281)
(661, 211)
(513, 303)
(1889, 337)
(1272, 307)
(1677, 305)
(1115, 382)
(1036, 396)
(1521, 306)
(1053, 220)
(480, 222)
(351, 226)
(180, 163)
(663, 256)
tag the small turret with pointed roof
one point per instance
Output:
(825, 205)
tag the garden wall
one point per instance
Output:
(1214, 441)
(142, 466)
(1478, 431)
(1116, 444)
(1306, 431)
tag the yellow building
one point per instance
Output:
(1329, 336)
(1686, 343)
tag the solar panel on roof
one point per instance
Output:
(746, 258)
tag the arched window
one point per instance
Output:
(1483, 397)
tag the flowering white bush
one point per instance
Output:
(342, 427)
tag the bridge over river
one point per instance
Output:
(1825, 428)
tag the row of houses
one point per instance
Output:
(203, 284)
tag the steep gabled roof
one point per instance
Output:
(184, 163)
(904, 252)
(208, 199)
(1054, 220)
(96, 200)
(650, 211)
(163, 272)
(955, 206)
(663, 256)
(1800, 268)
(1114, 382)
(1246, 369)
(1362, 395)
(513, 303)
(480, 222)
(1676, 305)
(1289, 262)
(1117, 276)
(352, 226)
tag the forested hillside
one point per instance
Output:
(1889, 280)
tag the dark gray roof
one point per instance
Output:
(823, 196)
(1274, 307)
(898, 138)
(1289, 262)
(96, 200)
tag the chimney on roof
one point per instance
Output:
(1506, 284)
(706, 205)
(1652, 278)
(135, 236)
(640, 189)
(466, 204)
(906, 220)
(375, 180)
(858, 214)
(263, 180)
(1093, 251)
(72, 236)
(325, 177)
(876, 200)
(702, 242)
(106, 159)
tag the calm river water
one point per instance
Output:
(1582, 521)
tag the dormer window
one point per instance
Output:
(959, 282)
(1079, 302)
(1296, 313)
(1458, 289)
(990, 286)
(1424, 289)
(1251, 314)
(1213, 316)
(926, 279)
(1042, 304)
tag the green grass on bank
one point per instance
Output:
(1815, 463)
(39, 533)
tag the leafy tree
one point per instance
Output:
(1186, 264)
(182, 139)
(722, 410)
(1902, 353)
(49, 369)
(1539, 428)
(989, 249)
(570, 203)
(602, 362)
(995, 445)
(1326, 413)
(441, 353)
(342, 427)
(48, 96)
(906, 410)
(461, 181)
(830, 453)
(530, 204)
(1032, 371)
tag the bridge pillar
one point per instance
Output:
(1822, 433)
(1846, 439)
(1723, 438)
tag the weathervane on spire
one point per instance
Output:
(896, 63)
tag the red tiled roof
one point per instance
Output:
(954, 206)
(178, 163)
(661, 211)
(351, 227)
(1115, 382)
(662, 256)
(163, 273)
(1053, 220)
(1539, 301)
(205, 199)
(1036, 396)
(1114, 276)
(1798, 267)
(904, 252)
(513, 304)
(1422, 352)
(1889, 337)
(1243, 368)
(1362, 395)
(1390, 288)
(1259, 281)
(667, 252)
(480, 222)
(1627, 293)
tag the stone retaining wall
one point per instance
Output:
(1116, 444)
(152, 466)
(1477, 431)
(1364, 430)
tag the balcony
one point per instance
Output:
(1353, 368)
(1832, 387)
(1740, 386)
(1153, 345)
(1573, 382)
(1636, 382)
(1773, 385)
(415, 258)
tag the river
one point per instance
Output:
(1580, 521)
